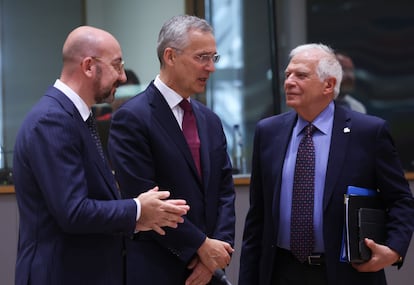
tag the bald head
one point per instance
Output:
(91, 57)
(86, 41)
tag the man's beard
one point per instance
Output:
(103, 95)
(108, 97)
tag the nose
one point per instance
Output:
(122, 76)
(289, 82)
(210, 66)
(290, 78)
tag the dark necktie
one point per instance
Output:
(91, 122)
(190, 132)
(301, 228)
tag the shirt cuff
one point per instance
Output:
(138, 208)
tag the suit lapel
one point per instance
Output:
(102, 166)
(281, 138)
(163, 114)
(341, 133)
(108, 177)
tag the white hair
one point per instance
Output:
(328, 66)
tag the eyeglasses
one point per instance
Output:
(118, 66)
(206, 58)
(203, 59)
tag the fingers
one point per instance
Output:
(157, 212)
(225, 263)
(154, 194)
(179, 207)
(157, 220)
(177, 202)
(228, 247)
(172, 222)
(200, 275)
(158, 229)
(215, 254)
(155, 189)
(160, 194)
(170, 218)
(381, 257)
(193, 263)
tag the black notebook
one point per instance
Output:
(371, 224)
(364, 217)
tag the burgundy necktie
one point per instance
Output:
(191, 133)
(301, 228)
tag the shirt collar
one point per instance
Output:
(172, 97)
(322, 122)
(75, 98)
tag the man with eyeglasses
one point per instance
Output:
(154, 141)
(72, 218)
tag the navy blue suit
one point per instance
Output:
(148, 148)
(70, 227)
(364, 157)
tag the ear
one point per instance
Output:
(87, 66)
(330, 85)
(169, 56)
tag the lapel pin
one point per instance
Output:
(347, 130)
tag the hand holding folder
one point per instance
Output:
(364, 218)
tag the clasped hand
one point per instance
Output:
(157, 212)
(213, 254)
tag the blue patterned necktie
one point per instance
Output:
(91, 122)
(190, 132)
(301, 228)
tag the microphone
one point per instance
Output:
(221, 276)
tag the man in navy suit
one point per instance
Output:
(72, 219)
(147, 147)
(350, 149)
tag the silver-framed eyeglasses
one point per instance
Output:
(117, 65)
(203, 59)
(206, 58)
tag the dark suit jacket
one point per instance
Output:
(363, 157)
(148, 148)
(70, 229)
